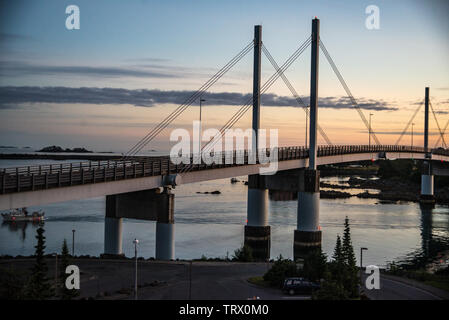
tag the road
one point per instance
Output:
(114, 279)
(396, 288)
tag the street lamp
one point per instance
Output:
(136, 242)
(307, 119)
(201, 127)
(369, 131)
(73, 242)
(412, 134)
(361, 265)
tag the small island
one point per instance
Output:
(59, 149)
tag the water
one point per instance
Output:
(212, 225)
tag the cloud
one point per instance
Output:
(12, 68)
(148, 98)
(13, 37)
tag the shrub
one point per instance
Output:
(281, 269)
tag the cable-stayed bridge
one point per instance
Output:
(139, 187)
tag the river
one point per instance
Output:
(212, 225)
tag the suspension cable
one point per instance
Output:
(180, 109)
(293, 91)
(444, 131)
(410, 122)
(438, 125)
(348, 92)
(239, 114)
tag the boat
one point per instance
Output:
(22, 214)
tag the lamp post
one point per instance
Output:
(307, 119)
(190, 281)
(369, 132)
(73, 242)
(135, 241)
(361, 265)
(412, 134)
(201, 127)
(56, 272)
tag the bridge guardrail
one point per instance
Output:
(38, 177)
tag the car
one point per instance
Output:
(299, 286)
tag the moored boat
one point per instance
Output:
(22, 214)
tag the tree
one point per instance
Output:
(11, 284)
(315, 265)
(338, 266)
(243, 254)
(38, 287)
(64, 293)
(351, 282)
(338, 252)
(281, 269)
(331, 290)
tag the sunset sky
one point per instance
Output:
(97, 87)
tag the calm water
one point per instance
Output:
(212, 225)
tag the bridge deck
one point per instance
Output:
(33, 178)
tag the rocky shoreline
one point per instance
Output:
(390, 190)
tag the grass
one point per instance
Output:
(259, 281)
(441, 284)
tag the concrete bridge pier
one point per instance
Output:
(307, 236)
(165, 229)
(257, 230)
(112, 230)
(427, 197)
(151, 205)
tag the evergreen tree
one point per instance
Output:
(347, 249)
(351, 282)
(338, 252)
(338, 266)
(64, 293)
(39, 287)
(315, 265)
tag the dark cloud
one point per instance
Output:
(149, 98)
(13, 37)
(12, 68)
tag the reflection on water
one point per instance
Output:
(434, 248)
(21, 227)
(213, 225)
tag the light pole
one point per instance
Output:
(412, 134)
(361, 265)
(135, 241)
(73, 242)
(56, 273)
(201, 127)
(190, 281)
(369, 132)
(307, 119)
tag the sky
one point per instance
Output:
(131, 63)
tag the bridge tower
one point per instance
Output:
(257, 230)
(427, 197)
(308, 234)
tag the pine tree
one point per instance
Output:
(338, 252)
(315, 265)
(39, 287)
(351, 278)
(347, 249)
(64, 293)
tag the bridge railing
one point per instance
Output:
(38, 177)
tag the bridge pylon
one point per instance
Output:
(307, 236)
(427, 197)
(257, 230)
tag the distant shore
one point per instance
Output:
(68, 156)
